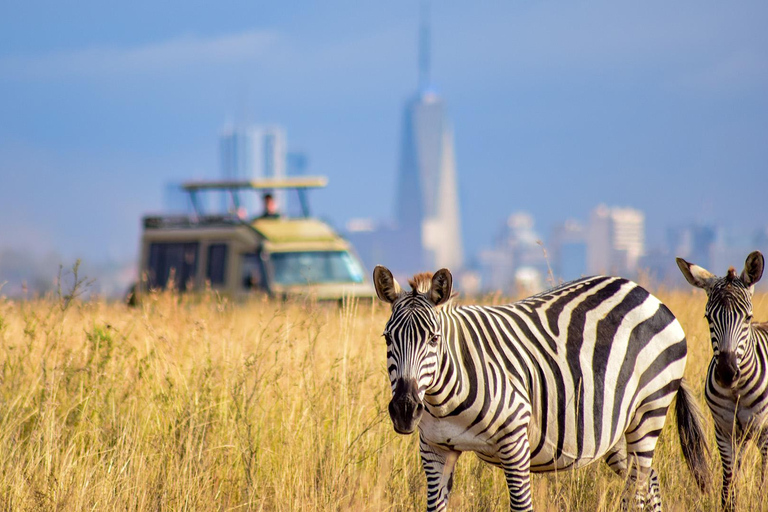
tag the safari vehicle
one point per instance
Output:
(282, 257)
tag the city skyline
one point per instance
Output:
(556, 108)
(610, 240)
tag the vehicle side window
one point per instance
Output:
(251, 271)
(174, 263)
(217, 264)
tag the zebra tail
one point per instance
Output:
(691, 432)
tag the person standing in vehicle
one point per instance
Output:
(270, 208)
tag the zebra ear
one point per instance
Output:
(386, 285)
(696, 275)
(442, 282)
(753, 268)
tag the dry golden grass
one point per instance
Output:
(203, 405)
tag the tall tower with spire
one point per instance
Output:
(427, 204)
(424, 47)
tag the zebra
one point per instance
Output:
(737, 380)
(556, 381)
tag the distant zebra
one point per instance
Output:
(737, 380)
(553, 382)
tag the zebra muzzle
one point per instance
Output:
(405, 408)
(726, 369)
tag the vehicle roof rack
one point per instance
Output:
(298, 182)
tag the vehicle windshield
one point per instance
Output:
(315, 267)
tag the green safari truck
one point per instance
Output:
(277, 255)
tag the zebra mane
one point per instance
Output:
(421, 283)
(729, 290)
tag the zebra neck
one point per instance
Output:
(451, 378)
(758, 335)
(756, 356)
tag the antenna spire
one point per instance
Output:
(424, 47)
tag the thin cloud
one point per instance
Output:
(176, 54)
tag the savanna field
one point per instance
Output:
(196, 403)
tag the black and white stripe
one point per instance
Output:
(737, 379)
(557, 381)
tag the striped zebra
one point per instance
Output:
(556, 381)
(737, 379)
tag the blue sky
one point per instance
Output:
(557, 106)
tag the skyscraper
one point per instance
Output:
(568, 244)
(427, 204)
(517, 263)
(253, 152)
(616, 240)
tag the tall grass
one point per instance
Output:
(199, 404)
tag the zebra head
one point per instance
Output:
(413, 336)
(728, 312)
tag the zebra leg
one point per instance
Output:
(616, 458)
(728, 458)
(654, 492)
(516, 462)
(642, 490)
(635, 494)
(642, 436)
(438, 464)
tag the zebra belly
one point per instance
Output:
(549, 457)
(452, 433)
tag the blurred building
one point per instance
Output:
(297, 164)
(516, 264)
(427, 203)
(710, 246)
(695, 243)
(730, 249)
(426, 233)
(717, 248)
(615, 241)
(427, 200)
(568, 250)
(253, 152)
